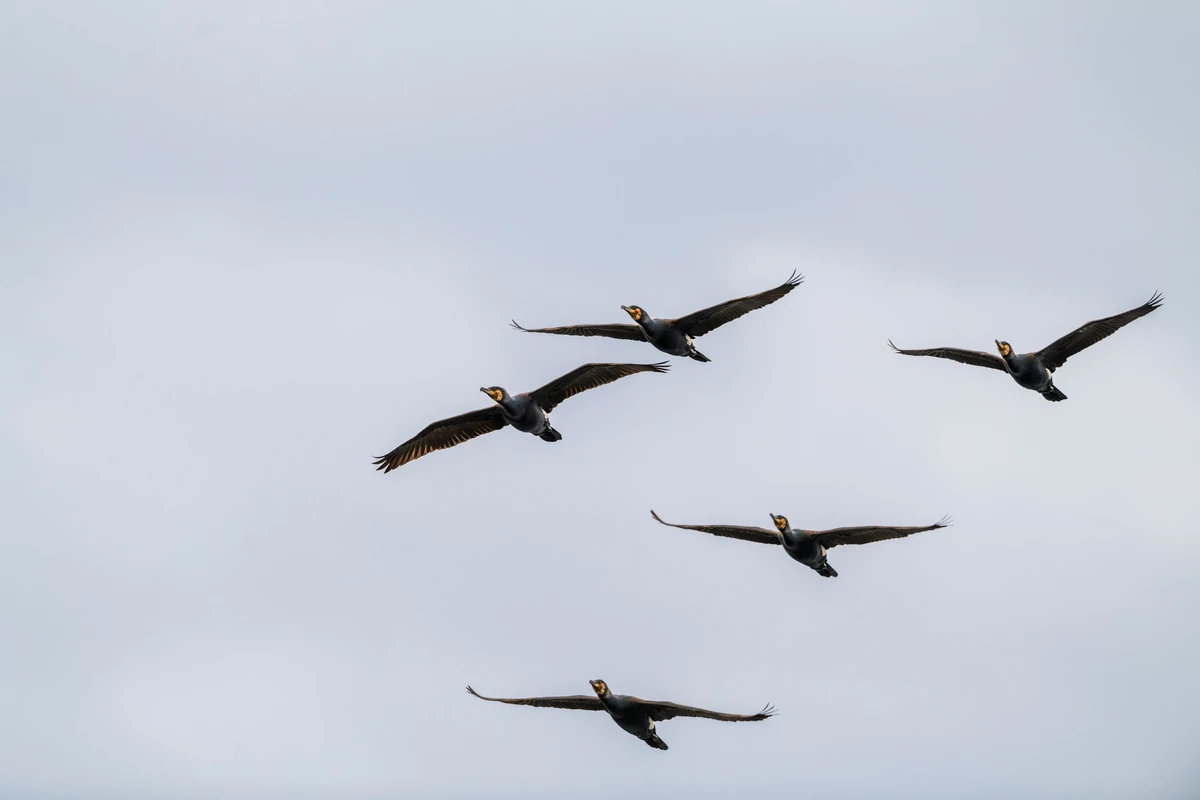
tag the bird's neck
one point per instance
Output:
(791, 536)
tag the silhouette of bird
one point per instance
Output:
(528, 412)
(1035, 371)
(635, 715)
(808, 547)
(675, 336)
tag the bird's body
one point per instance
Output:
(633, 715)
(632, 718)
(804, 547)
(669, 338)
(810, 548)
(1029, 372)
(528, 412)
(676, 337)
(1035, 371)
(523, 413)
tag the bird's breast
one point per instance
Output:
(1029, 372)
(526, 416)
(803, 548)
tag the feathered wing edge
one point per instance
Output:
(744, 533)
(588, 376)
(441, 435)
(1055, 354)
(610, 331)
(975, 358)
(706, 320)
(662, 710)
(579, 702)
(868, 534)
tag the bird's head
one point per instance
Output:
(494, 392)
(781, 523)
(1004, 348)
(636, 312)
(599, 687)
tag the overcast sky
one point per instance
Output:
(246, 247)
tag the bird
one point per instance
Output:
(675, 336)
(528, 412)
(809, 547)
(1035, 371)
(633, 714)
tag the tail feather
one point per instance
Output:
(698, 356)
(827, 571)
(1054, 394)
(550, 435)
(655, 742)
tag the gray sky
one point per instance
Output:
(246, 247)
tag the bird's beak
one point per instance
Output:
(629, 311)
(483, 390)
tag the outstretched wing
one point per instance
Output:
(442, 434)
(1056, 354)
(615, 331)
(589, 376)
(873, 533)
(975, 358)
(747, 534)
(660, 711)
(701, 322)
(575, 702)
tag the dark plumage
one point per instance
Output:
(1035, 371)
(528, 412)
(809, 547)
(674, 336)
(634, 715)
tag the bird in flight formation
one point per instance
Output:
(528, 412)
(1035, 371)
(633, 714)
(674, 336)
(810, 548)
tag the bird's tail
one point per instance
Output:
(827, 571)
(698, 356)
(655, 742)
(1054, 394)
(550, 435)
